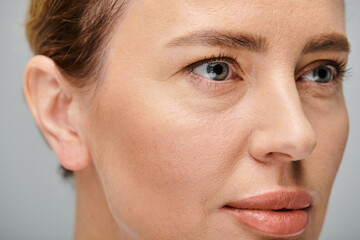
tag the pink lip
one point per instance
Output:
(278, 214)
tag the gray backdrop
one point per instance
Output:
(36, 203)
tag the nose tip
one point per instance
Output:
(282, 134)
(286, 144)
(289, 147)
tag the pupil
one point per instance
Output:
(218, 69)
(322, 73)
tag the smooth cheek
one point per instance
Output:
(158, 162)
(331, 126)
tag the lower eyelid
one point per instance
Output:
(319, 90)
(207, 85)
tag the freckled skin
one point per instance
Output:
(170, 153)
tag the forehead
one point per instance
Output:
(274, 19)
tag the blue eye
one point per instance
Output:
(322, 74)
(217, 71)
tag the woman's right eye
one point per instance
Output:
(216, 71)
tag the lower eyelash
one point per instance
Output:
(330, 88)
(208, 85)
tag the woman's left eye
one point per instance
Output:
(216, 71)
(321, 74)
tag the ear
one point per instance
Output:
(50, 103)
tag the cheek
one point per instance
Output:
(331, 127)
(319, 171)
(156, 159)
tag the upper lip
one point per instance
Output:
(278, 200)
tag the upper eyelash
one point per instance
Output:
(220, 58)
(338, 64)
(341, 68)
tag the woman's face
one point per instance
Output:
(206, 103)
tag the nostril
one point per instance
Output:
(278, 156)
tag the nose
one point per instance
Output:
(281, 132)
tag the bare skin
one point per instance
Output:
(158, 148)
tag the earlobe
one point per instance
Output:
(49, 100)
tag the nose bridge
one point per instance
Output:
(283, 99)
(284, 132)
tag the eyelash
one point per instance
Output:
(338, 64)
(220, 58)
(211, 85)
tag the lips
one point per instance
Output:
(278, 214)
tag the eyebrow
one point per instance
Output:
(214, 38)
(327, 42)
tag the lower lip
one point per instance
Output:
(273, 223)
